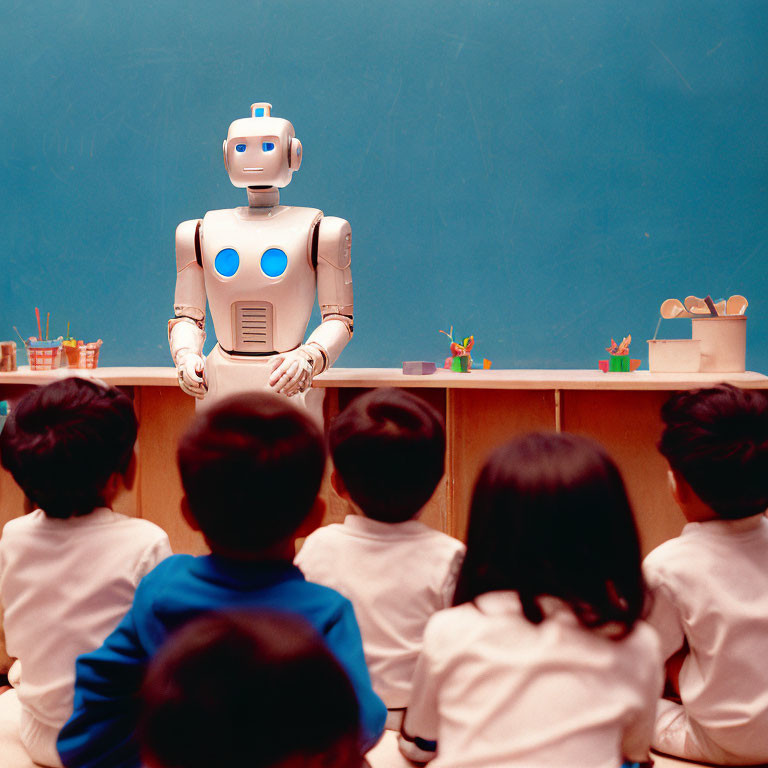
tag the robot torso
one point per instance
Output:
(259, 277)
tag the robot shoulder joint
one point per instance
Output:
(334, 242)
(188, 243)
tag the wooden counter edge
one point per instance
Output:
(393, 377)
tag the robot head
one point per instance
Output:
(261, 150)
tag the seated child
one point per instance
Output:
(257, 689)
(710, 584)
(69, 569)
(251, 468)
(543, 661)
(388, 450)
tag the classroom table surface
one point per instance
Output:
(442, 379)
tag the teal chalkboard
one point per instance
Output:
(540, 173)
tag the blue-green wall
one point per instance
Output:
(540, 173)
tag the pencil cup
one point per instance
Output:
(723, 343)
(44, 355)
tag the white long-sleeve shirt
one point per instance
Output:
(396, 576)
(64, 586)
(710, 587)
(496, 690)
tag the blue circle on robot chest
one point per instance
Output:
(274, 262)
(226, 262)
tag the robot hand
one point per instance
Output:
(186, 339)
(292, 371)
(190, 369)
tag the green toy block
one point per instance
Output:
(460, 364)
(619, 364)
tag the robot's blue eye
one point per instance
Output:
(240, 147)
(258, 112)
(226, 262)
(274, 262)
(267, 146)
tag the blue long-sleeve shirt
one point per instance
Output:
(101, 729)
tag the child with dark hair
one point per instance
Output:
(388, 450)
(543, 660)
(257, 689)
(68, 570)
(251, 468)
(710, 584)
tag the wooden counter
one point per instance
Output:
(482, 409)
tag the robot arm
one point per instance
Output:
(186, 331)
(334, 289)
(293, 372)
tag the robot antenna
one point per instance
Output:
(261, 109)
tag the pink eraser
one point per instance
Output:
(418, 368)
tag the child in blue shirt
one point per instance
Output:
(251, 470)
(203, 682)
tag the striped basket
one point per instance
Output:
(43, 355)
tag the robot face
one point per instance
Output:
(261, 150)
(257, 161)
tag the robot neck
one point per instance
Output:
(263, 197)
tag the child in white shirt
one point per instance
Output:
(543, 661)
(710, 584)
(68, 570)
(388, 450)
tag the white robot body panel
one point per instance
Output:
(259, 277)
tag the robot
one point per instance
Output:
(259, 267)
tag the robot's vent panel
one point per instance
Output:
(252, 324)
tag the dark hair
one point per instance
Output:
(250, 689)
(251, 468)
(388, 447)
(717, 439)
(550, 516)
(64, 441)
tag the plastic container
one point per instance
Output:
(83, 355)
(674, 355)
(723, 342)
(44, 355)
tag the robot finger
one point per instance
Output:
(301, 381)
(276, 363)
(191, 388)
(279, 381)
(280, 372)
(289, 376)
(192, 369)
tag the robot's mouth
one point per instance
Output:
(253, 170)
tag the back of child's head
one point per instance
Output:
(550, 516)
(388, 447)
(63, 442)
(251, 468)
(248, 689)
(717, 440)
